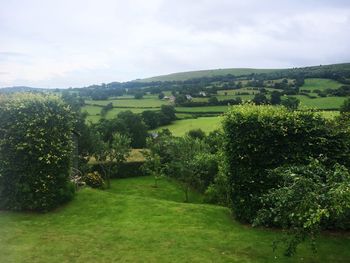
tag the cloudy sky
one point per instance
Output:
(63, 43)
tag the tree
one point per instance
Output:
(214, 100)
(153, 166)
(260, 99)
(106, 108)
(113, 154)
(151, 118)
(291, 103)
(138, 95)
(136, 129)
(168, 111)
(275, 98)
(161, 95)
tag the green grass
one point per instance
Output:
(320, 84)
(321, 103)
(146, 102)
(181, 127)
(201, 109)
(135, 222)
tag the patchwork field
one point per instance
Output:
(135, 222)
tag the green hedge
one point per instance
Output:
(258, 138)
(127, 169)
(35, 152)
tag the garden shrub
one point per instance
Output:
(35, 152)
(94, 179)
(258, 138)
(308, 199)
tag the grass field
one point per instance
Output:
(201, 109)
(146, 102)
(320, 84)
(135, 222)
(321, 103)
(181, 127)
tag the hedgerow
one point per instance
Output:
(35, 152)
(259, 138)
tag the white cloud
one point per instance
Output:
(75, 43)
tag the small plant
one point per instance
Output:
(94, 180)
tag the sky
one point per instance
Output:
(76, 43)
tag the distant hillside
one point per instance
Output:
(19, 89)
(207, 73)
(343, 68)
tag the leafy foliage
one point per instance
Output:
(307, 199)
(35, 152)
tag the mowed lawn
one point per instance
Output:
(181, 127)
(320, 84)
(135, 222)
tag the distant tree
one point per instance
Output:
(136, 129)
(106, 108)
(291, 103)
(161, 95)
(275, 98)
(168, 111)
(260, 99)
(213, 100)
(138, 95)
(180, 99)
(151, 118)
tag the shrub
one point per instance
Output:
(94, 179)
(307, 199)
(258, 138)
(35, 152)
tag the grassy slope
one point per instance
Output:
(134, 222)
(208, 73)
(181, 127)
(321, 103)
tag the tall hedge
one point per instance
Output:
(35, 152)
(258, 138)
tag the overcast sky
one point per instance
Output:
(63, 43)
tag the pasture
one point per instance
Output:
(322, 103)
(136, 222)
(320, 84)
(181, 127)
(151, 102)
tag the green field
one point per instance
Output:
(320, 84)
(146, 102)
(207, 73)
(321, 103)
(201, 109)
(135, 222)
(181, 127)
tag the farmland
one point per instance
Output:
(181, 127)
(133, 222)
